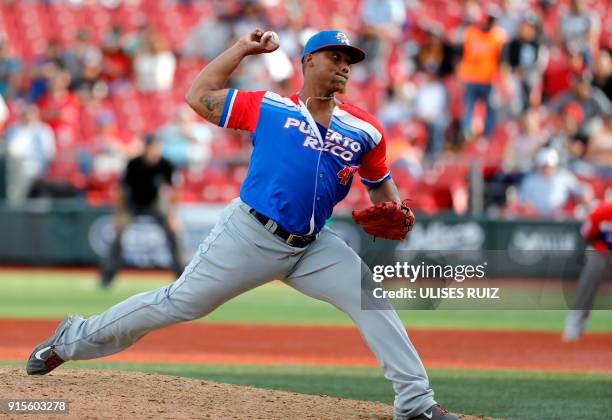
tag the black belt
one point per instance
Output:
(298, 241)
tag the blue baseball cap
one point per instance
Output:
(333, 40)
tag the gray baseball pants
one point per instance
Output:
(598, 268)
(240, 254)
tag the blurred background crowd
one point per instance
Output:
(500, 107)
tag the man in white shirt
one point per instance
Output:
(548, 188)
(30, 149)
(186, 142)
(155, 65)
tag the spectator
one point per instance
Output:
(108, 150)
(404, 152)
(599, 148)
(55, 55)
(94, 105)
(579, 29)
(60, 108)
(397, 106)
(10, 68)
(255, 73)
(252, 15)
(381, 23)
(30, 149)
(371, 41)
(383, 13)
(526, 57)
(602, 75)
(562, 66)
(471, 14)
(509, 17)
(545, 191)
(523, 145)
(185, 141)
(593, 101)
(89, 79)
(199, 43)
(154, 65)
(577, 146)
(291, 35)
(400, 54)
(431, 106)
(525, 138)
(44, 68)
(85, 66)
(135, 41)
(478, 69)
(116, 64)
(565, 127)
(435, 54)
(279, 66)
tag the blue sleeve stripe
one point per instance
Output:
(227, 108)
(377, 182)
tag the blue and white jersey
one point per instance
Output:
(296, 176)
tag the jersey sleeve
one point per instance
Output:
(590, 227)
(373, 170)
(241, 110)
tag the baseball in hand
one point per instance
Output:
(270, 40)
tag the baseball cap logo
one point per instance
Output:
(331, 38)
(341, 36)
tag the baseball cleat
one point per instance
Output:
(435, 412)
(44, 358)
(574, 326)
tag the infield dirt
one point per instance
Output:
(223, 343)
(96, 394)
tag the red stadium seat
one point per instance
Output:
(102, 189)
(30, 24)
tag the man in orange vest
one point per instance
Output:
(482, 46)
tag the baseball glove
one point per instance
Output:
(386, 220)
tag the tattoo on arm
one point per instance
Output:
(212, 102)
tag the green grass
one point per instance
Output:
(498, 394)
(37, 294)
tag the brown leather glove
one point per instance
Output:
(386, 220)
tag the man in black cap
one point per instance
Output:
(138, 195)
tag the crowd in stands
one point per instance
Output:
(518, 92)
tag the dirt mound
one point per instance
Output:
(101, 394)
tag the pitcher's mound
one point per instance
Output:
(96, 394)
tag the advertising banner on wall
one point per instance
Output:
(83, 236)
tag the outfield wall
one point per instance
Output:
(75, 235)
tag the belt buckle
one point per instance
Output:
(290, 239)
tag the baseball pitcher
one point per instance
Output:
(597, 233)
(306, 149)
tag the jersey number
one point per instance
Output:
(346, 173)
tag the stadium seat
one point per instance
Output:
(29, 26)
(102, 189)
